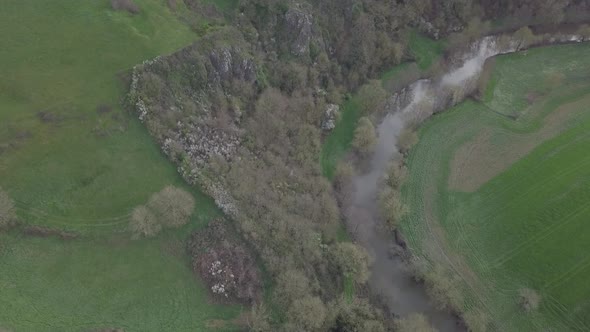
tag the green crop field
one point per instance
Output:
(72, 159)
(503, 201)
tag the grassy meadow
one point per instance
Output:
(498, 191)
(72, 159)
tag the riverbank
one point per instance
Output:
(412, 106)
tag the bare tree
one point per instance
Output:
(528, 299)
(172, 206)
(144, 223)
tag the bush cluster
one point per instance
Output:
(171, 207)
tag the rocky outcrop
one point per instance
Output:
(299, 27)
(229, 63)
(330, 116)
(190, 103)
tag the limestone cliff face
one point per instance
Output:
(192, 102)
(299, 27)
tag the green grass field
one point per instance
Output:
(504, 203)
(72, 168)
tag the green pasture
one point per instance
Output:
(527, 226)
(74, 160)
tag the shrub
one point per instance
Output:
(397, 174)
(443, 289)
(355, 315)
(406, 140)
(392, 208)
(413, 323)
(528, 299)
(144, 223)
(476, 321)
(291, 285)
(172, 206)
(126, 5)
(525, 37)
(7, 210)
(365, 137)
(258, 320)
(371, 97)
(352, 260)
(307, 313)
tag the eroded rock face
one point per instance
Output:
(330, 117)
(230, 63)
(299, 27)
(191, 103)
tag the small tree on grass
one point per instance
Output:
(413, 323)
(528, 299)
(7, 210)
(144, 223)
(172, 206)
(365, 137)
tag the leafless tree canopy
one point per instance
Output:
(144, 223)
(171, 207)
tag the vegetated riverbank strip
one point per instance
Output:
(462, 77)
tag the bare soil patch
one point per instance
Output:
(490, 153)
(38, 231)
(126, 5)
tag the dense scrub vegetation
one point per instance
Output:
(240, 111)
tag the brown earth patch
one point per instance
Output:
(38, 231)
(490, 152)
(215, 324)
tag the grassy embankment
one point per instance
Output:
(72, 168)
(504, 203)
(337, 144)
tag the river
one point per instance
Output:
(389, 277)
